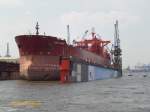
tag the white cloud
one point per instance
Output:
(10, 2)
(80, 18)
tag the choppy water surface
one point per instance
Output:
(127, 94)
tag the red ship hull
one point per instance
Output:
(40, 56)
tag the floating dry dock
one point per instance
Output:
(76, 70)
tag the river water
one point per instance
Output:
(126, 94)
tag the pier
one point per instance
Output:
(9, 70)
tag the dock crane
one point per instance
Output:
(116, 51)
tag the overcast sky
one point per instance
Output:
(19, 17)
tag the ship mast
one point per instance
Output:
(68, 34)
(37, 28)
(117, 59)
(93, 32)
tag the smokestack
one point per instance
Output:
(7, 52)
(68, 34)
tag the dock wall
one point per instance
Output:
(9, 71)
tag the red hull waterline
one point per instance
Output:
(40, 55)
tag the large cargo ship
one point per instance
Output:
(40, 55)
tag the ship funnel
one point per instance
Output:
(37, 28)
(68, 34)
(7, 52)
